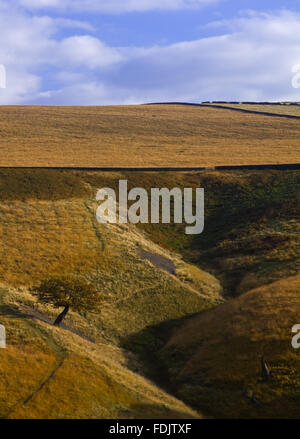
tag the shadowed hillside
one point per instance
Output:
(214, 359)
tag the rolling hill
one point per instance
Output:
(164, 343)
(48, 226)
(53, 373)
(143, 136)
(214, 359)
(284, 109)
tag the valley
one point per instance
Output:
(183, 320)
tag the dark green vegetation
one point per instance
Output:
(203, 352)
(251, 236)
(67, 292)
(19, 184)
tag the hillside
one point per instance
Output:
(47, 372)
(214, 359)
(287, 109)
(143, 136)
(48, 226)
(157, 284)
(251, 234)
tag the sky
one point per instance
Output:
(107, 52)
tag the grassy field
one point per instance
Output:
(286, 109)
(143, 136)
(249, 252)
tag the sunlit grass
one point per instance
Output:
(251, 239)
(143, 136)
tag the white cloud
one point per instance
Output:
(25, 44)
(116, 6)
(87, 51)
(251, 61)
(29, 46)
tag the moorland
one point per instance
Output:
(144, 136)
(182, 343)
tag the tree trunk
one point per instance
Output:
(61, 316)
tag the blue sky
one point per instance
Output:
(100, 52)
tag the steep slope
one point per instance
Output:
(252, 231)
(47, 372)
(214, 358)
(48, 226)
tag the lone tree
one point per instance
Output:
(67, 292)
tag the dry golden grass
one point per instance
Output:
(143, 136)
(48, 226)
(289, 110)
(47, 372)
(215, 358)
(41, 238)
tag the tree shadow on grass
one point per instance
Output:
(8, 311)
(32, 314)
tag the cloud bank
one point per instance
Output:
(251, 60)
